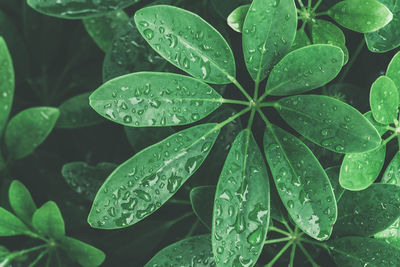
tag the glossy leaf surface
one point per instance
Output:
(155, 99)
(301, 39)
(7, 83)
(392, 172)
(21, 201)
(305, 69)
(333, 174)
(236, 18)
(85, 254)
(10, 225)
(144, 182)
(381, 128)
(188, 42)
(201, 198)
(48, 221)
(393, 70)
(241, 205)
(384, 100)
(329, 123)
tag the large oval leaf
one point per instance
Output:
(302, 183)
(305, 69)
(188, 42)
(242, 205)
(384, 100)
(268, 33)
(6, 83)
(10, 225)
(392, 172)
(21, 201)
(48, 221)
(329, 123)
(143, 183)
(393, 70)
(154, 99)
(85, 254)
(202, 200)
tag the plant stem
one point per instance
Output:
(316, 5)
(251, 119)
(240, 87)
(263, 117)
(277, 256)
(353, 59)
(35, 235)
(287, 227)
(322, 14)
(308, 256)
(309, 5)
(184, 216)
(192, 229)
(234, 117)
(179, 201)
(274, 229)
(267, 104)
(278, 240)
(233, 101)
(13, 255)
(300, 3)
(314, 243)
(39, 257)
(292, 254)
(389, 139)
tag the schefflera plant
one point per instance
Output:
(241, 212)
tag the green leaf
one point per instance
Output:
(392, 172)
(388, 37)
(194, 250)
(368, 212)
(325, 32)
(391, 235)
(384, 100)
(7, 83)
(333, 174)
(76, 113)
(362, 251)
(329, 123)
(140, 138)
(102, 29)
(143, 183)
(85, 254)
(381, 128)
(242, 204)
(72, 9)
(21, 201)
(225, 7)
(302, 183)
(155, 99)
(268, 33)
(236, 18)
(305, 69)
(10, 225)
(300, 40)
(202, 200)
(28, 129)
(361, 15)
(393, 70)
(188, 42)
(47, 220)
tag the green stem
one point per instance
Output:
(308, 256)
(263, 117)
(251, 119)
(322, 14)
(390, 128)
(316, 5)
(192, 229)
(237, 102)
(184, 216)
(39, 257)
(234, 117)
(277, 256)
(240, 87)
(353, 59)
(309, 5)
(278, 240)
(300, 3)
(287, 225)
(35, 235)
(292, 254)
(267, 104)
(179, 201)
(389, 139)
(13, 255)
(314, 243)
(274, 229)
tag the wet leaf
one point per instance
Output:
(155, 99)
(202, 200)
(143, 183)
(302, 183)
(393, 70)
(242, 205)
(21, 201)
(381, 128)
(301, 39)
(48, 221)
(305, 69)
(10, 225)
(236, 18)
(7, 83)
(384, 100)
(85, 254)
(392, 172)
(329, 123)
(333, 174)
(188, 42)
(268, 33)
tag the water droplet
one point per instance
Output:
(149, 34)
(255, 237)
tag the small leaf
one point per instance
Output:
(361, 15)
(85, 254)
(48, 221)
(21, 201)
(300, 40)
(202, 200)
(393, 70)
(333, 174)
(194, 250)
(10, 225)
(28, 129)
(329, 123)
(188, 42)
(139, 186)
(268, 33)
(7, 83)
(236, 18)
(368, 212)
(225, 7)
(384, 100)
(242, 204)
(305, 69)
(392, 172)
(302, 183)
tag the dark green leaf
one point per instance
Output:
(392, 172)
(21, 201)
(236, 18)
(202, 199)
(393, 70)
(85, 254)
(48, 221)
(10, 225)
(384, 100)
(333, 174)
(140, 138)
(300, 40)
(6, 83)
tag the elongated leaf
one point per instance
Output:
(361, 15)
(302, 183)
(191, 250)
(10, 225)
(28, 129)
(301, 39)
(384, 100)
(305, 69)
(143, 183)
(78, 9)
(48, 220)
(392, 172)
(268, 33)
(85, 254)
(362, 251)
(236, 18)
(369, 211)
(329, 123)
(21, 201)
(202, 200)
(242, 205)
(393, 70)
(333, 174)
(6, 84)
(188, 42)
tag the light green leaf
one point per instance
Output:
(391, 235)
(392, 172)
(384, 100)
(85, 254)
(329, 123)
(47, 220)
(368, 212)
(305, 69)
(21, 201)
(28, 129)
(194, 250)
(236, 18)
(155, 99)
(7, 83)
(361, 15)
(268, 33)
(381, 128)
(300, 40)
(102, 29)
(302, 183)
(393, 70)
(10, 225)
(202, 200)
(188, 42)
(333, 174)
(143, 183)
(242, 204)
